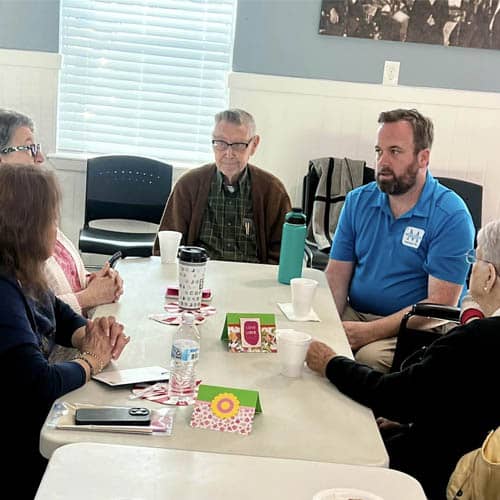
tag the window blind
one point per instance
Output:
(143, 77)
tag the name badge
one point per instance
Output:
(412, 237)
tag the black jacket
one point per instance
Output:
(450, 398)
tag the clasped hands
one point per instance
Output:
(105, 337)
(106, 285)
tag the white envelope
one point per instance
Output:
(133, 376)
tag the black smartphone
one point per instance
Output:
(112, 260)
(113, 416)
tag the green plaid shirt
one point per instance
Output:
(227, 228)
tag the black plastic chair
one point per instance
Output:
(471, 193)
(124, 187)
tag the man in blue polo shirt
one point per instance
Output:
(399, 240)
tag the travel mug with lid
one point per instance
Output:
(192, 264)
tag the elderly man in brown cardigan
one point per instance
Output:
(232, 209)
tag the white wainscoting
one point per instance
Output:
(28, 83)
(299, 119)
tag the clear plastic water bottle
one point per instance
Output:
(292, 246)
(184, 357)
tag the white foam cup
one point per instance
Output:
(303, 290)
(292, 350)
(169, 245)
(345, 494)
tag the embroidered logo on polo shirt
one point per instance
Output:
(412, 237)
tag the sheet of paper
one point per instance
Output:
(133, 375)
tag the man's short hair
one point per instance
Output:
(237, 117)
(10, 121)
(423, 129)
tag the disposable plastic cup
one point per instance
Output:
(303, 290)
(169, 245)
(292, 350)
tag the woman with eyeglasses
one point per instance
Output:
(65, 270)
(448, 399)
(32, 320)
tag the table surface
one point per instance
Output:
(305, 418)
(99, 471)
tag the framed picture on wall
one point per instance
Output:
(460, 23)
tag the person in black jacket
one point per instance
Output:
(32, 320)
(446, 401)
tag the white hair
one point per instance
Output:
(488, 239)
(237, 117)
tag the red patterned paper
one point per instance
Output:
(204, 418)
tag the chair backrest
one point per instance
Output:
(318, 241)
(126, 187)
(310, 184)
(471, 193)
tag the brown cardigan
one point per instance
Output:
(187, 202)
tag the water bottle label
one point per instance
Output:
(188, 354)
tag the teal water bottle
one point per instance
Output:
(292, 246)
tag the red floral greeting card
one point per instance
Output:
(225, 409)
(250, 332)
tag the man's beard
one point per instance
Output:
(398, 185)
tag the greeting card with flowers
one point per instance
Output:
(225, 409)
(250, 332)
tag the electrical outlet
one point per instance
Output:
(391, 73)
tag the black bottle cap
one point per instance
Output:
(192, 254)
(296, 216)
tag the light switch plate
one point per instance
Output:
(391, 73)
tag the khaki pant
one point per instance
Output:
(378, 354)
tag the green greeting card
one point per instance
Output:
(250, 332)
(225, 409)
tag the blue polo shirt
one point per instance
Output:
(394, 257)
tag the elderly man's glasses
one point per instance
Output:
(239, 147)
(472, 258)
(34, 149)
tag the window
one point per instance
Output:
(143, 77)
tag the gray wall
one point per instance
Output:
(29, 25)
(280, 37)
